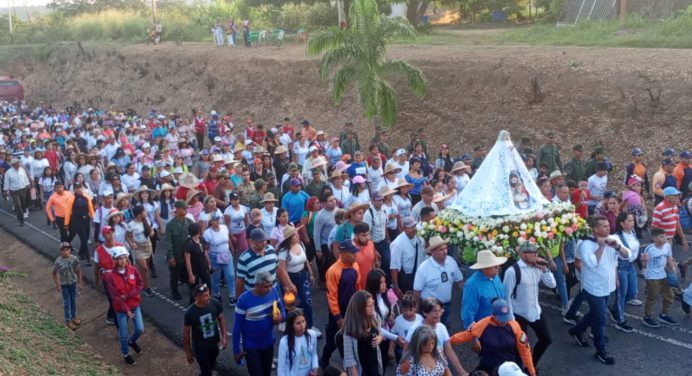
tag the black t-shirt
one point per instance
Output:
(205, 328)
(197, 259)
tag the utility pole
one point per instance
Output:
(9, 15)
(623, 10)
(153, 11)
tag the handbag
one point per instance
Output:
(33, 194)
(223, 258)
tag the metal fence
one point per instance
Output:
(576, 11)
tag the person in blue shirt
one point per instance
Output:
(482, 288)
(255, 318)
(294, 201)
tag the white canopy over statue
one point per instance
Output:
(502, 185)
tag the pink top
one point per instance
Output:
(632, 198)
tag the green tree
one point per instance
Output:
(75, 7)
(358, 54)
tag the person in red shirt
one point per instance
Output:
(288, 128)
(259, 135)
(200, 129)
(124, 285)
(52, 156)
(580, 197)
(104, 266)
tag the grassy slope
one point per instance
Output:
(33, 343)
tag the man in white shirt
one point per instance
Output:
(598, 275)
(597, 185)
(426, 200)
(376, 218)
(436, 276)
(408, 252)
(521, 289)
(17, 185)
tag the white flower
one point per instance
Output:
(523, 226)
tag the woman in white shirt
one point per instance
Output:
(277, 235)
(626, 272)
(210, 209)
(341, 193)
(139, 238)
(402, 200)
(359, 191)
(298, 348)
(38, 165)
(300, 149)
(294, 271)
(269, 212)
(237, 218)
(216, 238)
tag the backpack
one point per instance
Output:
(517, 277)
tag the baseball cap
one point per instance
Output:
(668, 152)
(670, 191)
(501, 311)
(348, 246)
(408, 222)
(258, 235)
(107, 192)
(528, 247)
(358, 179)
(400, 152)
(376, 196)
(685, 154)
(667, 161)
(637, 152)
(180, 204)
(233, 196)
(305, 122)
(77, 185)
(106, 229)
(509, 369)
(119, 252)
(295, 182)
(217, 139)
(65, 245)
(313, 148)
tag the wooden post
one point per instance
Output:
(623, 10)
(153, 11)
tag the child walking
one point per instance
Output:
(68, 279)
(402, 324)
(658, 258)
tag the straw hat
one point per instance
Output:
(188, 180)
(487, 259)
(336, 174)
(435, 242)
(319, 162)
(289, 231)
(138, 194)
(354, 208)
(191, 194)
(460, 166)
(439, 197)
(217, 158)
(280, 150)
(386, 191)
(166, 187)
(122, 196)
(390, 167)
(238, 148)
(401, 182)
(269, 197)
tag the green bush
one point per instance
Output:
(321, 15)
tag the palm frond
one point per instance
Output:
(368, 86)
(345, 54)
(416, 81)
(386, 98)
(398, 28)
(340, 81)
(330, 38)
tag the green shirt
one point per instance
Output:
(176, 235)
(575, 171)
(550, 155)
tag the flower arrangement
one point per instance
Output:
(546, 227)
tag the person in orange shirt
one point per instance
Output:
(367, 257)
(343, 280)
(79, 211)
(56, 208)
(498, 338)
(683, 172)
(308, 131)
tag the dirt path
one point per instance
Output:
(160, 356)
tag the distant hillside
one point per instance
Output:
(21, 11)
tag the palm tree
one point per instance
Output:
(358, 54)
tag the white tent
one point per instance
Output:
(502, 185)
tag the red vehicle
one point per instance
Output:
(11, 89)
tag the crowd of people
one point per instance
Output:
(256, 218)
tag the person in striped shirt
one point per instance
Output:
(666, 217)
(259, 257)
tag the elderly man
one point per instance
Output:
(599, 257)
(437, 275)
(17, 184)
(260, 257)
(176, 235)
(407, 252)
(521, 288)
(426, 200)
(666, 217)
(481, 288)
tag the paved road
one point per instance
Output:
(663, 351)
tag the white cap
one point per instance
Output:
(313, 148)
(510, 369)
(164, 173)
(213, 113)
(107, 192)
(119, 251)
(248, 142)
(400, 152)
(217, 139)
(146, 145)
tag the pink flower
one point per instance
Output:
(443, 229)
(569, 231)
(551, 235)
(540, 215)
(532, 240)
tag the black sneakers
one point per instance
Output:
(176, 295)
(135, 347)
(650, 322)
(581, 341)
(622, 326)
(667, 320)
(148, 292)
(130, 360)
(605, 358)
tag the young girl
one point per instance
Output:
(298, 348)
(46, 187)
(277, 236)
(362, 336)
(376, 285)
(359, 192)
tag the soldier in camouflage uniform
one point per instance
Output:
(575, 169)
(246, 189)
(549, 153)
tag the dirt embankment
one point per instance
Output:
(617, 97)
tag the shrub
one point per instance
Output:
(321, 15)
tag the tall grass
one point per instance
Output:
(633, 32)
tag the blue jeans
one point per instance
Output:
(576, 304)
(561, 280)
(123, 331)
(628, 289)
(69, 301)
(597, 317)
(302, 282)
(216, 277)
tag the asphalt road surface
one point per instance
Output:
(663, 351)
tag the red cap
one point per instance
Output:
(106, 229)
